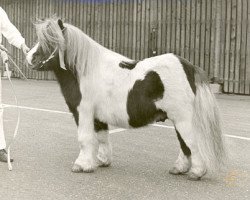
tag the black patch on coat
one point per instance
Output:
(183, 145)
(141, 101)
(128, 65)
(100, 126)
(189, 69)
(71, 91)
(160, 116)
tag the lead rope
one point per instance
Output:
(18, 118)
(6, 58)
(14, 93)
(20, 71)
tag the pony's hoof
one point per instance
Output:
(89, 170)
(196, 176)
(176, 171)
(193, 177)
(77, 168)
(104, 164)
(103, 161)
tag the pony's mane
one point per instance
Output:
(81, 51)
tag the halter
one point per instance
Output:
(52, 55)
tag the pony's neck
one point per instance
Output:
(100, 52)
(85, 55)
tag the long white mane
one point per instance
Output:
(82, 52)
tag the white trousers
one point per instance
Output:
(2, 138)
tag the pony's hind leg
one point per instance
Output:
(104, 155)
(186, 131)
(183, 162)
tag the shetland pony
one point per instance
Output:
(104, 88)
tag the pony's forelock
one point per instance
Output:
(49, 35)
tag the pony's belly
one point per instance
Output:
(113, 114)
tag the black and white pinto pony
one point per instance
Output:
(104, 88)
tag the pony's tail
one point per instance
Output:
(206, 120)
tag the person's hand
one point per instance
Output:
(25, 49)
(3, 48)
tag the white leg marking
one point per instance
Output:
(87, 139)
(198, 168)
(104, 155)
(182, 164)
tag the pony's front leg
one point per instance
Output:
(87, 138)
(104, 155)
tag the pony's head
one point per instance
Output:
(48, 53)
(63, 45)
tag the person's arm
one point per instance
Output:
(11, 33)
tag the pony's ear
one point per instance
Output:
(60, 23)
(61, 52)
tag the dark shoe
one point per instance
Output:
(3, 156)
